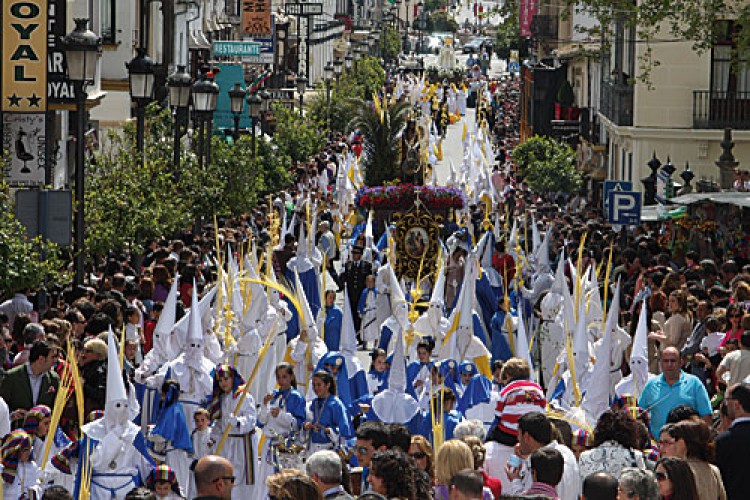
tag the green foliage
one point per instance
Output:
(128, 201)
(433, 5)
(295, 137)
(352, 85)
(391, 41)
(508, 37)
(22, 259)
(565, 96)
(547, 165)
(695, 21)
(442, 21)
(381, 132)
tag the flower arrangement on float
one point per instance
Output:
(403, 197)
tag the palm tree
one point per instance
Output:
(381, 125)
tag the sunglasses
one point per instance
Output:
(417, 455)
(661, 476)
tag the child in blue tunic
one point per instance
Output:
(445, 399)
(327, 420)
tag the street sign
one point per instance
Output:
(624, 207)
(613, 185)
(235, 49)
(303, 9)
(265, 54)
(514, 67)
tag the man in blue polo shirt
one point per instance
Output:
(672, 388)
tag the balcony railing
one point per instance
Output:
(617, 103)
(718, 109)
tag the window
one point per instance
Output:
(107, 16)
(728, 75)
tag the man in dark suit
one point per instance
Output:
(733, 445)
(324, 467)
(32, 383)
(355, 273)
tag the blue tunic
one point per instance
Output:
(329, 412)
(292, 401)
(332, 327)
(500, 346)
(450, 421)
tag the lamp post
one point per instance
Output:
(205, 93)
(328, 70)
(420, 24)
(348, 61)
(179, 84)
(338, 67)
(264, 108)
(301, 86)
(82, 52)
(254, 105)
(141, 79)
(236, 105)
(407, 41)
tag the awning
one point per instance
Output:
(727, 197)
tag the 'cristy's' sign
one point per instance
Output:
(24, 31)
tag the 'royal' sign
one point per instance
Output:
(24, 72)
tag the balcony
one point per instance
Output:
(617, 103)
(719, 109)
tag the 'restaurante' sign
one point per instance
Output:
(24, 66)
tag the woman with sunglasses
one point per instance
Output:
(675, 480)
(734, 317)
(327, 420)
(691, 440)
(421, 451)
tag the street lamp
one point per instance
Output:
(236, 105)
(254, 105)
(338, 67)
(348, 61)
(264, 108)
(81, 52)
(141, 79)
(205, 93)
(407, 42)
(179, 84)
(301, 86)
(328, 79)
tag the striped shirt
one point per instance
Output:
(518, 398)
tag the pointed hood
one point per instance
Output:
(597, 397)
(116, 405)
(594, 311)
(522, 341)
(541, 255)
(581, 342)
(348, 345)
(399, 306)
(639, 354)
(485, 249)
(195, 325)
(182, 327)
(535, 237)
(394, 405)
(162, 336)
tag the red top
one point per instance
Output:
(493, 483)
(505, 266)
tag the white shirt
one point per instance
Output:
(36, 383)
(569, 487)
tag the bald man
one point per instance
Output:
(214, 478)
(673, 388)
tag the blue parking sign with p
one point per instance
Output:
(624, 207)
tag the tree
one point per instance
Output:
(391, 41)
(697, 21)
(295, 137)
(442, 21)
(24, 262)
(547, 165)
(381, 129)
(508, 37)
(128, 201)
